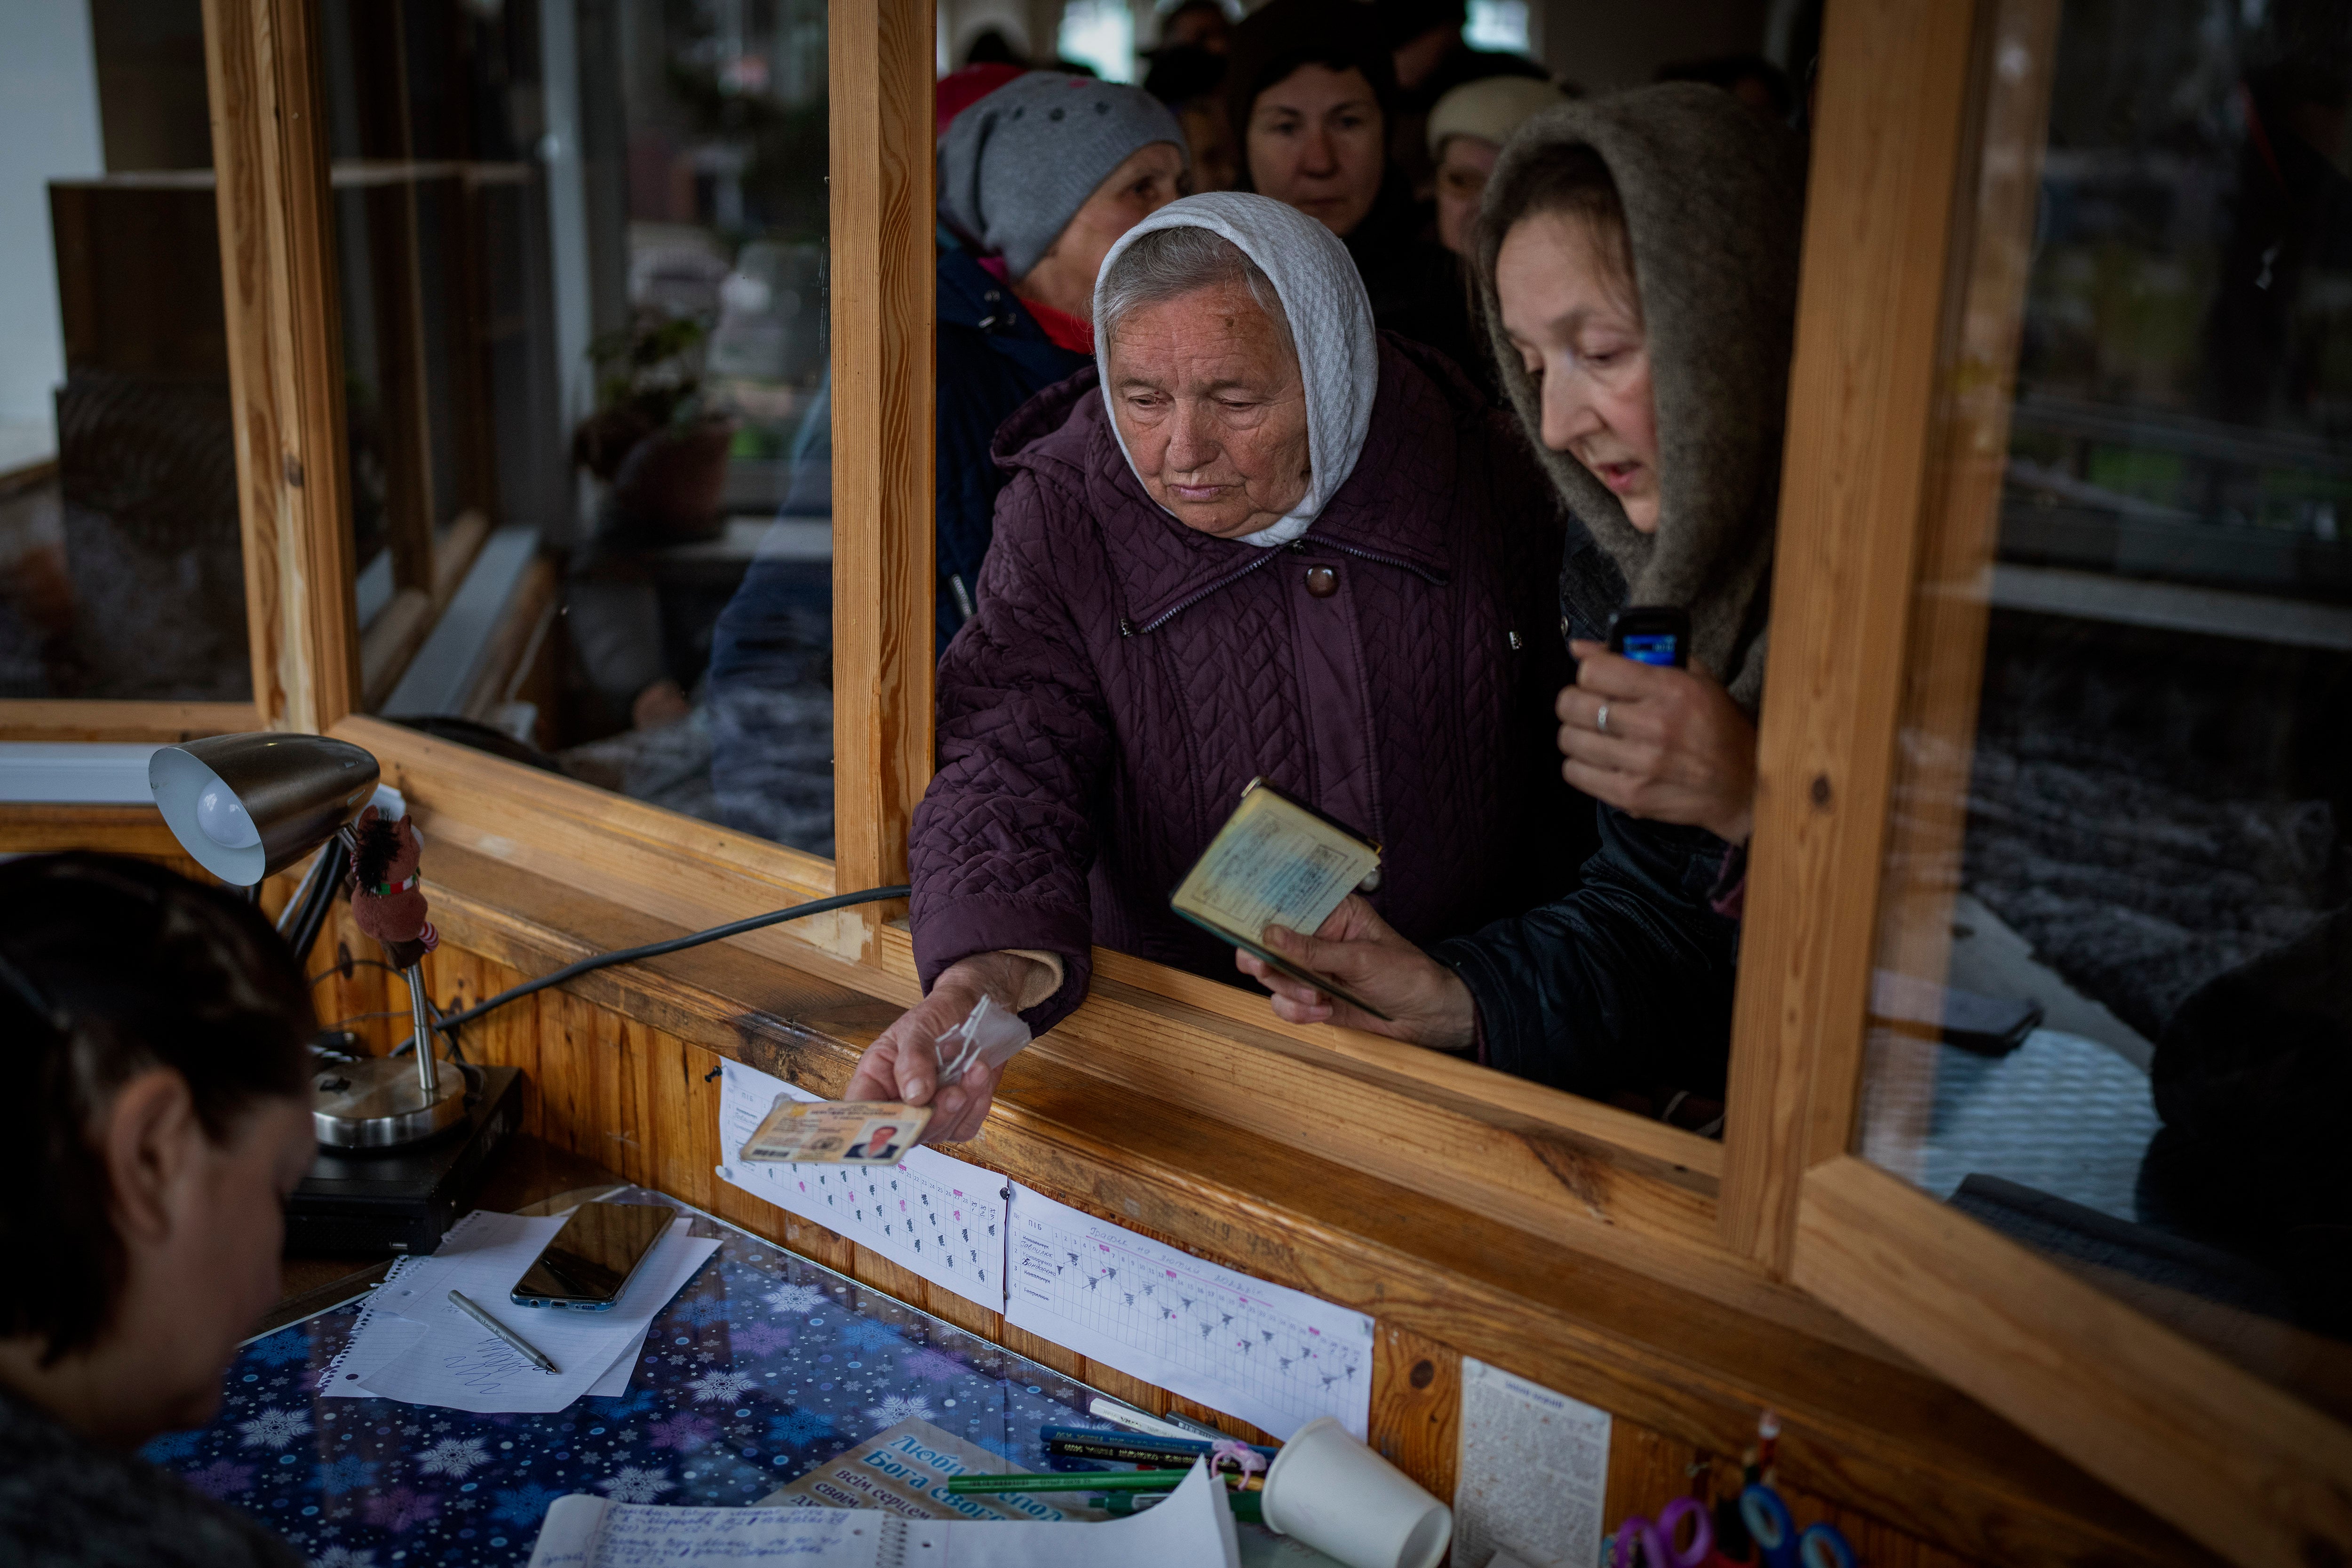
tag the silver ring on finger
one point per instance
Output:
(1600, 720)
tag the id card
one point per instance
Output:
(835, 1132)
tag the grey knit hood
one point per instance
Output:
(1714, 199)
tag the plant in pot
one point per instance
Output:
(653, 438)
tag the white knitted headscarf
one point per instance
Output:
(1330, 320)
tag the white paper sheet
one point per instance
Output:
(412, 1344)
(1276, 1357)
(1194, 1528)
(416, 1284)
(932, 1214)
(1535, 1471)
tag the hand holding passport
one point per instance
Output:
(1277, 883)
(1276, 863)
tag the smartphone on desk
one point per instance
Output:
(1652, 634)
(593, 1257)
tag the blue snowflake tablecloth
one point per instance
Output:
(763, 1365)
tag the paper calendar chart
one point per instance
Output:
(931, 1215)
(1273, 1356)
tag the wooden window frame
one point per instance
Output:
(1897, 420)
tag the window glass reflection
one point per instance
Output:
(2148, 1019)
(121, 574)
(582, 253)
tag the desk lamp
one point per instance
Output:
(248, 806)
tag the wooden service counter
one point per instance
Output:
(620, 1067)
(620, 1071)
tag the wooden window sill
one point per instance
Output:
(1636, 1330)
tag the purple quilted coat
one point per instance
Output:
(1126, 676)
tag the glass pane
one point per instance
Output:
(121, 574)
(2113, 1017)
(581, 246)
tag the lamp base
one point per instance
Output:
(375, 1103)
(359, 1203)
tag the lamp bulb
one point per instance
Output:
(223, 817)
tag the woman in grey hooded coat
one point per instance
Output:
(1637, 266)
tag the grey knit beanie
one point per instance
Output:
(1017, 166)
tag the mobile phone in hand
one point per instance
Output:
(1652, 634)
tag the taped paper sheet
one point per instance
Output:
(931, 1215)
(1535, 1469)
(1275, 1357)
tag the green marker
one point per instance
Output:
(1092, 1481)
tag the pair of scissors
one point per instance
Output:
(1656, 1540)
(1782, 1544)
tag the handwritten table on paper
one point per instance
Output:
(1273, 1356)
(932, 1214)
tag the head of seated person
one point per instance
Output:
(158, 1117)
(1044, 173)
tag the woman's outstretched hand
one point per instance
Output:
(1676, 747)
(903, 1064)
(1357, 949)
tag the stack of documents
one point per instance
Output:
(414, 1344)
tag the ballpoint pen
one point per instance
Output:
(507, 1334)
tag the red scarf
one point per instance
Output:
(1061, 329)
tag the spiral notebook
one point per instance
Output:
(1194, 1526)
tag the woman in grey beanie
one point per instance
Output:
(1039, 180)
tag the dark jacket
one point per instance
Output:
(1126, 677)
(993, 358)
(1624, 983)
(1416, 285)
(67, 1503)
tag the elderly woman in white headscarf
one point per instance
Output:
(1258, 540)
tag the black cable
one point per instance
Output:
(356, 964)
(448, 1025)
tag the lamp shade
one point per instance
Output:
(249, 805)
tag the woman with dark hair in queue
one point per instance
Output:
(156, 1039)
(1636, 260)
(1310, 94)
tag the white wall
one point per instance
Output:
(48, 128)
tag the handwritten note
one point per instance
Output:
(412, 1344)
(1193, 1527)
(1273, 1356)
(931, 1214)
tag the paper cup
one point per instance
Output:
(1346, 1501)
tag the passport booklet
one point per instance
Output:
(1275, 862)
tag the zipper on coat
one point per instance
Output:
(1170, 614)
